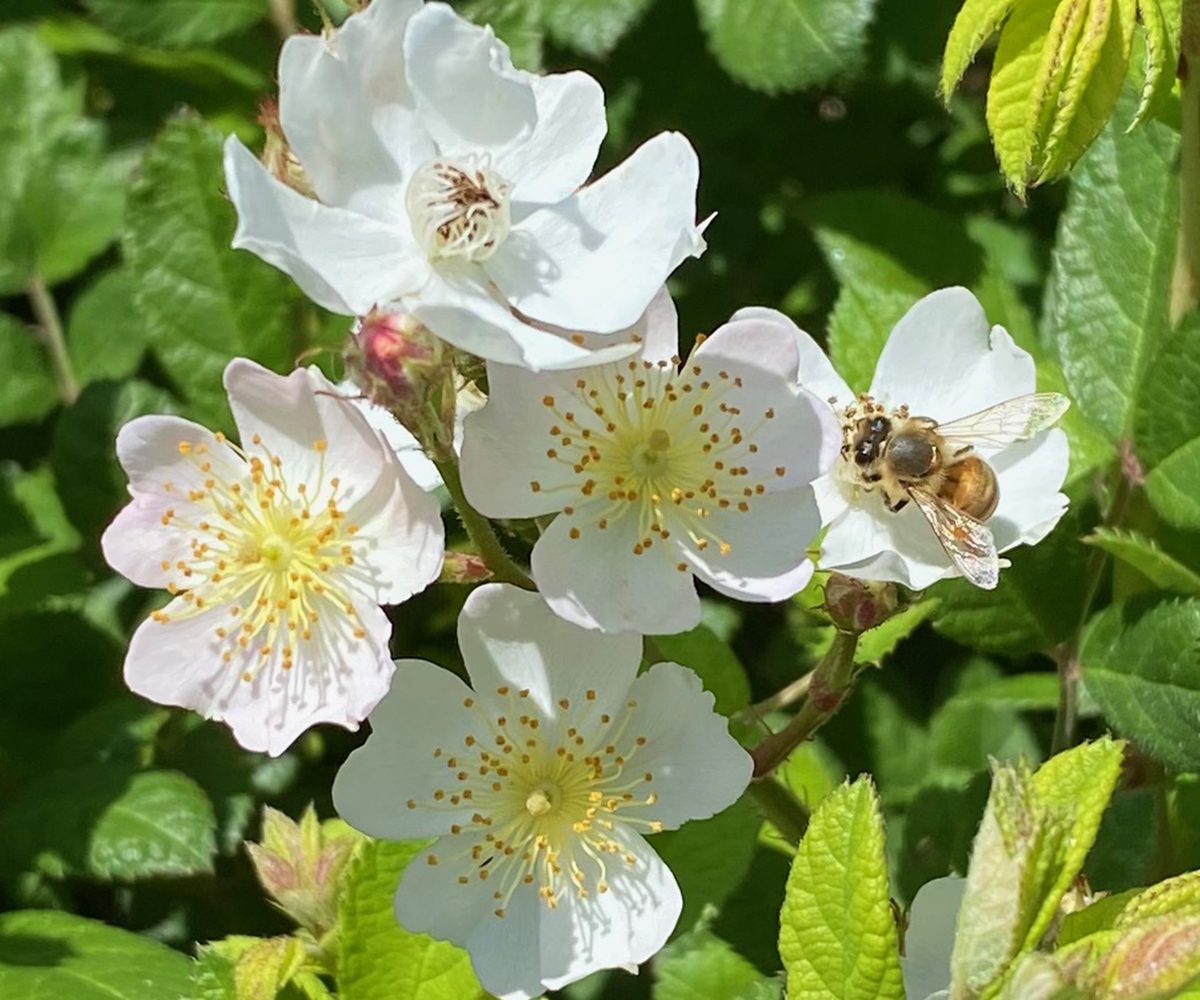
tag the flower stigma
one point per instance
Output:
(271, 555)
(459, 209)
(542, 801)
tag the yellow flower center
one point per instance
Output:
(547, 802)
(270, 556)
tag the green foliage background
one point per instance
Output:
(845, 190)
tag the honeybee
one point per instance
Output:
(935, 466)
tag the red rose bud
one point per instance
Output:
(858, 605)
(396, 353)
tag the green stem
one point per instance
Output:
(1069, 670)
(46, 313)
(282, 14)
(831, 683)
(1185, 284)
(480, 531)
(786, 812)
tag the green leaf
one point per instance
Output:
(104, 338)
(378, 959)
(61, 197)
(1162, 21)
(1092, 87)
(1075, 787)
(176, 23)
(91, 482)
(780, 45)
(837, 935)
(713, 661)
(27, 392)
(1035, 834)
(109, 824)
(1147, 557)
(1141, 662)
(700, 964)
(593, 27)
(46, 955)
(203, 303)
(1111, 271)
(709, 857)
(976, 22)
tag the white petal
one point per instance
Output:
(698, 768)
(460, 307)
(1030, 474)
(817, 373)
(941, 360)
(558, 157)
(597, 581)
(509, 637)
(422, 711)
(400, 540)
(505, 446)
(469, 96)
(334, 94)
(337, 677)
(504, 950)
(621, 928)
(292, 414)
(801, 435)
(768, 555)
(343, 261)
(594, 261)
(866, 540)
(148, 449)
(929, 939)
(136, 543)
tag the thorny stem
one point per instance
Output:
(1067, 657)
(484, 538)
(777, 804)
(1185, 284)
(831, 683)
(50, 325)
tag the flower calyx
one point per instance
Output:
(856, 606)
(404, 368)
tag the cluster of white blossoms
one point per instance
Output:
(419, 176)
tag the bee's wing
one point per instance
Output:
(1013, 420)
(967, 542)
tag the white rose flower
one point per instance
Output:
(941, 362)
(539, 782)
(448, 184)
(279, 553)
(659, 470)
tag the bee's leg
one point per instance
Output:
(895, 506)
